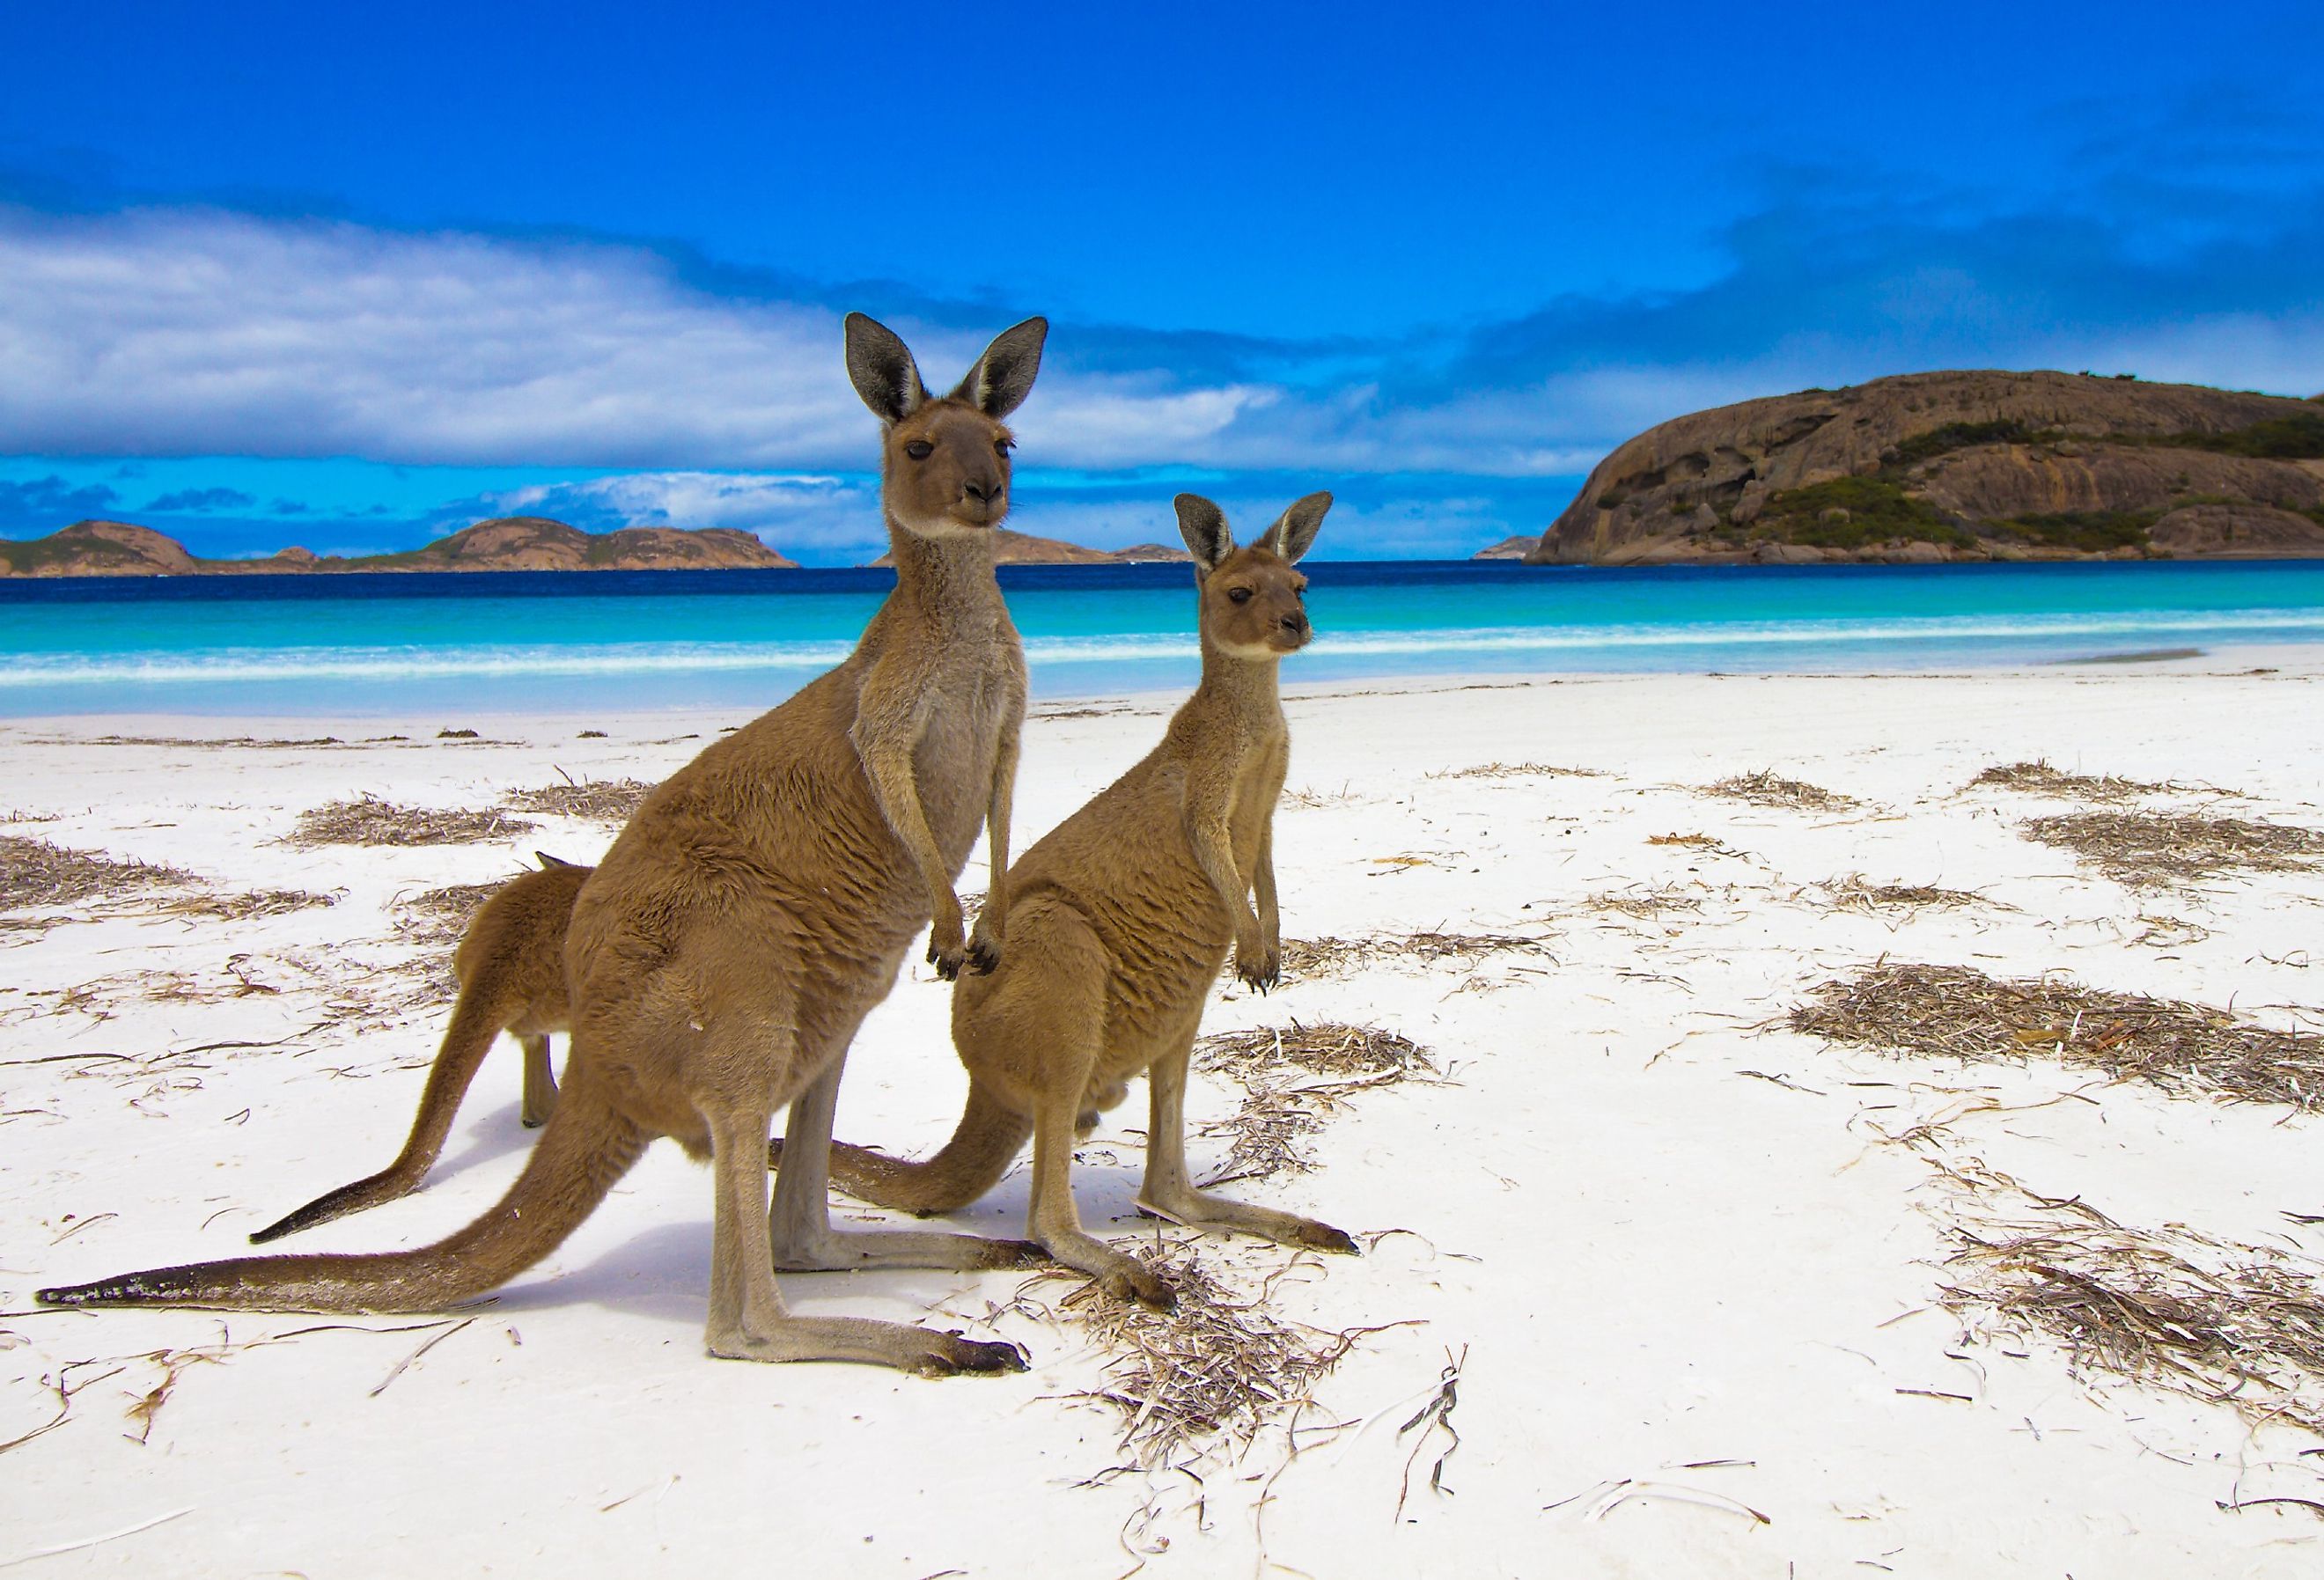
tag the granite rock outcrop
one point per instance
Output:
(1980, 465)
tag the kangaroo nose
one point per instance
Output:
(1295, 621)
(984, 492)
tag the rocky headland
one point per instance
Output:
(1933, 467)
(98, 548)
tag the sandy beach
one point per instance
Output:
(1655, 1283)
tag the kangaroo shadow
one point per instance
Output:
(663, 1272)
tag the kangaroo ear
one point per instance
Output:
(883, 370)
(1003, 377)
(549, 863)
(1204, 525)
(1294, 532)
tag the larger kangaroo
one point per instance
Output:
(1119, 922)
(755, 909)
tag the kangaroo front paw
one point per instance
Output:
(1260, 971)
(983, 954)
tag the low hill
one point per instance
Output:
(1959, 465)
(1024, 549)
(539, 544)
(98, 548)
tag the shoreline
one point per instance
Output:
(421, 722)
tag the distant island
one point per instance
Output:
(1024, 549)
(101, 548)
(98, 548)
(1933, 467)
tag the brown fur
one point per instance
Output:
(754, 910)
(1120, 919)
(511, 968)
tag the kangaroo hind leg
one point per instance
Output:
(799, 1235)
(1169, 1194)
(747, 1319)
(1035, 1031)
(540, 1081)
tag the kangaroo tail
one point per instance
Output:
(987, 1140)
(477, 1021)
(586, 1148)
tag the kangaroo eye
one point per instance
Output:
(1239, 595)
(1003, 445)
(919, 449)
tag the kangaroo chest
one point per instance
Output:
(959, 746)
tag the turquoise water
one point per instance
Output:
(572, 644)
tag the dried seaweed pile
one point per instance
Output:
(1702, 842)
(1644, 902)
(439, 916)
(2225, 1323)
(2039, 777)
(1279, 1109)
(1763, 788)
(2152, 850)
(243, 907)
(1852, 892)
(1953, 1012)
(1323, 956)
(369, 820)
(323, 988)
(604, 800)
(1214, 1366)
(35, 872)
(1519, 769)
(218, 742)
(1312, 799)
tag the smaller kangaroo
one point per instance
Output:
(511, 968)
(1119, 922)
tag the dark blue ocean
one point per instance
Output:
(523, 641)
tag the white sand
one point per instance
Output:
(1645, 1258)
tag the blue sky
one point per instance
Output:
(351, 277)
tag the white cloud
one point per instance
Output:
(792, 511)
(172, 332)
(179, 332)
(184, 332)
